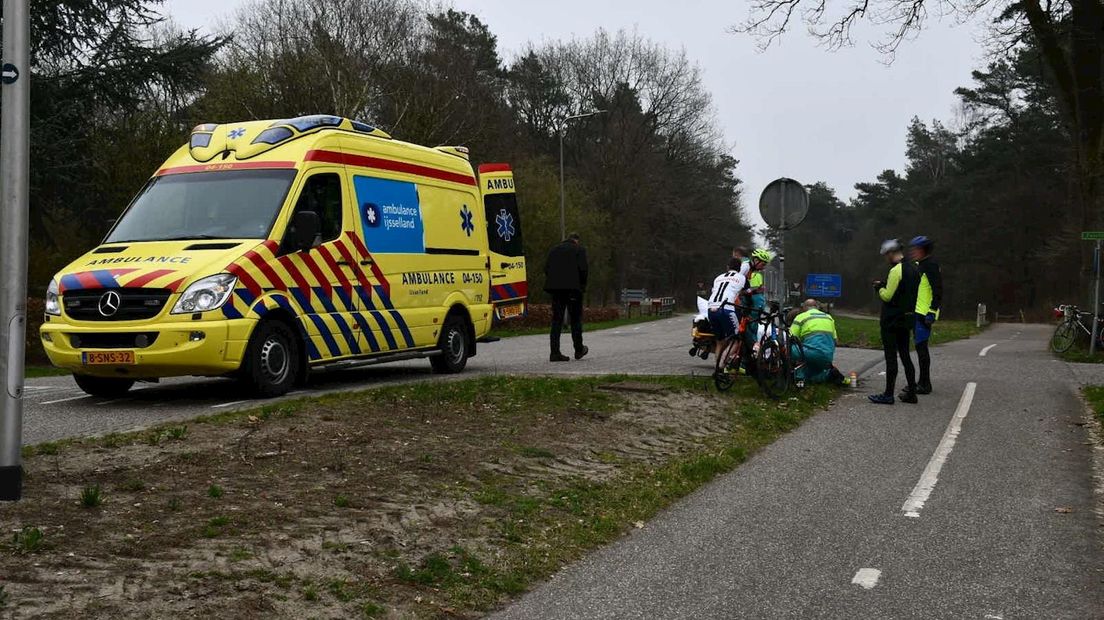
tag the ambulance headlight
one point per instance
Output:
(53, 299)
(206, 294)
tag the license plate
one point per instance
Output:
(100, 358)
(511, 311)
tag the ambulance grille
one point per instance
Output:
(135, 304)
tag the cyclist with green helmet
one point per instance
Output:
(757, 289)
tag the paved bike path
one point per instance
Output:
(815, 526)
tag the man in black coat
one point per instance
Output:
(565, 279)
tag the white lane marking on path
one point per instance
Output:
(63, 400)
(927, 481)
(867, 578)
(993, 617)
(231, 403)
(114, 400)
(986, 350)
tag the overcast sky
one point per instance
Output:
(794, 110)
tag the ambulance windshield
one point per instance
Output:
(228, 204)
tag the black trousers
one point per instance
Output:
(923, 355)
(896, 336)
(572, 303)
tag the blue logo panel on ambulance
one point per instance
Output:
(390, 216)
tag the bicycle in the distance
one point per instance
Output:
(1076, 324)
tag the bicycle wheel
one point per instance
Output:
(773, 369)
(1063, 337)
(723, 375)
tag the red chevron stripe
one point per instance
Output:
(316, 271)
(87, 280)
(376, 271)
(144, 279)
(261, 264)
(354, 263)
(173, 286)
(335, 269)
(296, 275)
(245, 278)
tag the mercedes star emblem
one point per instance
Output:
(109, 303)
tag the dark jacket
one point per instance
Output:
(566, 268)
(899, 293)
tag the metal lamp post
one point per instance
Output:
(14, 178)
(563, 125)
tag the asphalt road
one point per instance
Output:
(825, 523)
(55, 408)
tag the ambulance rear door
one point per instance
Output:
(509, 288)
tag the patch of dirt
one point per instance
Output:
(319, 508)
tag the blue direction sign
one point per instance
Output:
(823, 285)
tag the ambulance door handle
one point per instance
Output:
(367, 262)
(343, 263)
(498, 275)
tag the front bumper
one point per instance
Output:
(175, 351)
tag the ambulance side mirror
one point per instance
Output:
(302, 231)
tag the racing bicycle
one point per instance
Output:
(779, 355)
(1076, 324)
(732, 353)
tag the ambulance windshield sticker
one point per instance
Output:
(466, 222)
(505, 223)
(390, 216)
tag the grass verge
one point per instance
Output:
(866, 334)
(1094, 395)
(423, 500)
(510, 332)
(35, 371)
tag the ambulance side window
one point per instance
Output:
(322, 194)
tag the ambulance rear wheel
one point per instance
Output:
(271, 362)
(454, 347)
(107, 387)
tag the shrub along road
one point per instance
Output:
(976, 503)
(56, 409)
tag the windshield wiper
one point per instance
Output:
(180, 238)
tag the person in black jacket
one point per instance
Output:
(565, 279)
(898, 295)
(929, 299)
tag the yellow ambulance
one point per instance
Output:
(266, 250)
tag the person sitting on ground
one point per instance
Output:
(722, 303)
(816, 331)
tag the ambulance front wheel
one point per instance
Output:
(271, 362)
(454, 347)
(107, 387)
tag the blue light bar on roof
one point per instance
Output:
(307, 123)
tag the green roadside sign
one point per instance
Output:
(1092, 236)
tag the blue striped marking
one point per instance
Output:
(229, 311)
(324, 331)
(312, 351)
(382, 322)
(382, 294)
(350, 337)
(367, 331)
(327, 303)
(304, 301)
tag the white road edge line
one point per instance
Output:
(867, 578)
(235, 402)
(986, 350)
(62, 400)
(924, 486)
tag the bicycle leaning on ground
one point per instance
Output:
(1076, 324)
(778, 354)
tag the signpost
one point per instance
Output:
(14, 175)
(1097, 236)
(783, 204)
(823, 285)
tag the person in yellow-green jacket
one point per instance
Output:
(929, 299)
(898, 295)
(757, 290)
(816, 331)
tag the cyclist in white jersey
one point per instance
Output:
(722, 303)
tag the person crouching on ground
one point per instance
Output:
(816, 331)
(565, 279)
(722, 303)
(898, 295)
